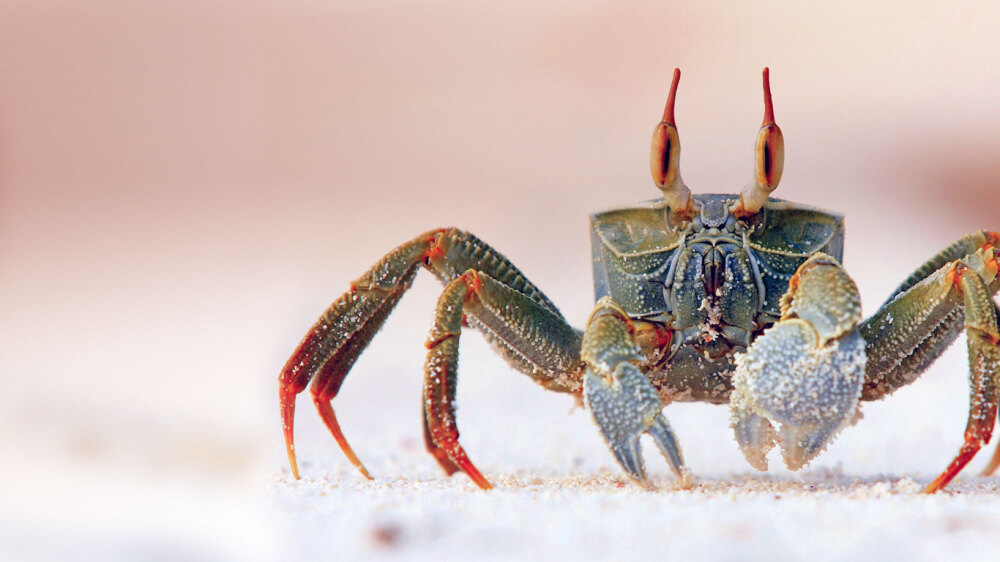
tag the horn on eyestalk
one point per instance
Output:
(665, 155)
(769, 160)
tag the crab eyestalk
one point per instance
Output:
(665, 155)
(769, 160)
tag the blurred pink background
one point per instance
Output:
(184, 186)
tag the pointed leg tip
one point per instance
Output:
(287, 401)
(329, 418)
(685, 481)
(292, 461)
(458, 458)
(635, 473)
(353, 458)
(933, 488)
(477, 477)
(942, 480)
(637, 476)
(965, 454)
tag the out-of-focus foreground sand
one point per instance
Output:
(816, 516)
(185, 185)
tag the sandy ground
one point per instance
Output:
(135, 491)
(559, 495)
(819, 515)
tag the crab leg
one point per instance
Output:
(620, 397)
(899, 354)
(924, 316)
(337, 338)
(342, 332)
(534, 339)
(805, 371)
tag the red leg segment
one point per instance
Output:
(334, 343)
(524, 325)
(984, 363)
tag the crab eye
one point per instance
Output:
(664, 158)
(769, 160)
(665, 155)
(770, 157)
(770, 150)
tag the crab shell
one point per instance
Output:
(716, 280)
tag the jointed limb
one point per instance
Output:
(924, 316)
(326, 354)
(335, 341)
(963, 247)
(537, 341)
(794, 359)
(622, 400)
(804, 372)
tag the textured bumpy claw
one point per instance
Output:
(622, 400)
(625, 407)
(805, 372)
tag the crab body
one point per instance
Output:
(737, 299)
(715, 281)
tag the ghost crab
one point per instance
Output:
(715, 298)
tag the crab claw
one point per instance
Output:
(805, 372)
(625, 405)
